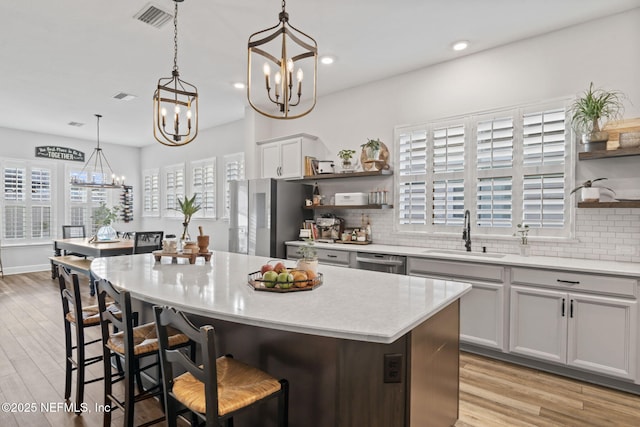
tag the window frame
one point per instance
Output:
(89, 205)
(472, 174)
(204, 212)
(172, 212)
(150, 193)
(227, 160)
(28, 203)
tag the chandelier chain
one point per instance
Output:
(175, 38)
(284, 3)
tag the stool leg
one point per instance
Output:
(68, 354)
(80, 353)
(129, 392)
(106, 417)
(283, 404)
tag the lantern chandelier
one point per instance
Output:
(98, 178)
(177, 97)
(290, 49)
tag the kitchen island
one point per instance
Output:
(364, 349)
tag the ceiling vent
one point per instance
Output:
(76, 124)
(153, 15)
(124, 96)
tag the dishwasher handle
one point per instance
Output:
(379, 261)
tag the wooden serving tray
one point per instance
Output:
(256, 282)
(351, 242)
(175, 255)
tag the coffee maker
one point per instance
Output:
(330, 228)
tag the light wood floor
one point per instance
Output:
(493, 393)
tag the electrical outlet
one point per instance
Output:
(392, 371)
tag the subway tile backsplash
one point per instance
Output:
(600, 234)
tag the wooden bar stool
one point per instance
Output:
(132, 343)
(218, 388)
(80, 318)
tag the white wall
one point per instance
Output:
(17, 144)
(225, 139)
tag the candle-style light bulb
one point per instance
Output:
(278, 79)
(189, 119)
(164, 116)
(267, 73)
(300, 74)
(113, 178)
(289, 65)
(122, 180)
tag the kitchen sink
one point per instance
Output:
(464, 253)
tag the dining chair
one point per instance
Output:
(215, 389)
(132, 343)
(147, 241)
(73, 231)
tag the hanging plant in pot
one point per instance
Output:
(590, 109)
(103, 216)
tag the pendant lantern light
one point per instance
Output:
(293, 57)
(175, 103)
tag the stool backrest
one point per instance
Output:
(69, 231)
(205, 336)
(147, 241)
(70, 293)
(128, 318)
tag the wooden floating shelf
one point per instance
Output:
(349, 174)
(603, 154)
(609, 205)
(349, 207)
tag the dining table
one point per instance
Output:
(91, 247)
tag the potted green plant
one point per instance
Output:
(346, 156)
(309, 260)
(371, 149)
(589, 193)
(588, 110)
(104, 216)
(188, 207)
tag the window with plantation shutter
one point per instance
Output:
(203, 185)
(27, 202)
(233, 171)
(151, 193)
(83, 201)
(412, 189)
(507, 167)
(174, 187)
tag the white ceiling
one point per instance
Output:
(64, 60)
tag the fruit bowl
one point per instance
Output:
(258, 282)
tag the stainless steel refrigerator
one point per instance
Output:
(265, 213)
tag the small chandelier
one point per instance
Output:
(177, 97)
(290, 49)
(94, 176)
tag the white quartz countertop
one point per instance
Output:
(554, 263)
(350, 304)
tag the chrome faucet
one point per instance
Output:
(466, 231)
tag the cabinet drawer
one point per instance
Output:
(573, 281)
(465, 270)
(329, 256)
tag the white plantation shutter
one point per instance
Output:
(448, 202)
(412, 190)
(494, 202)
(516, 160)
(151, 193)
(233, 171)
(27, 202)
(174, 186)
(83, 201)
(204, 186)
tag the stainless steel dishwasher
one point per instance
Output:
(381, 262)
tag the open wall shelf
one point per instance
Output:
(609, 205)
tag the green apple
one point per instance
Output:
(285, 280)
(270, 278)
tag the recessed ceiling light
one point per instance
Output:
(327, 59)
(239, 85)
(76, 124)
(460, 45)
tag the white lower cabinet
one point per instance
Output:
(591, 332)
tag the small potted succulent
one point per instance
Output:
(309, 260)
(589, 193)
(346, 156)
(587, 112)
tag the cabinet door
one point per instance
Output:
(291, 159)
(270, 155)
(602, 335)
(538, 323)
(482, 315)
